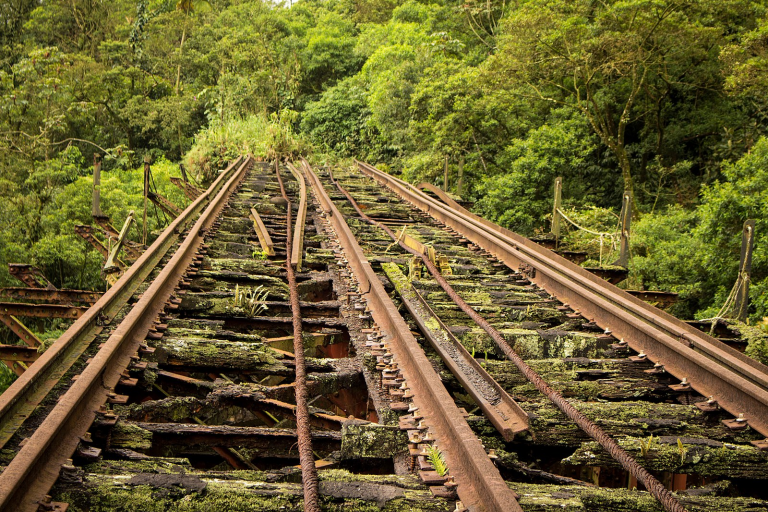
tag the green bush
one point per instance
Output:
(265, 137)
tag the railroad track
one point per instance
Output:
(301, 339)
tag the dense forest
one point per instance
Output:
(666, 99)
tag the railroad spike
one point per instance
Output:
(739, 423)
(710, 405)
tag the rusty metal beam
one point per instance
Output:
(278, 441)
(737, 382)
(50, 296)
(481, 486)
(86, 232)
(191, 191)
(41, 310)
(164, 204)
(444, 197)
(104, 222)
(18, 353)
(505, 414)
(30, 275)
(132, 249)
(662, 299)
(16, 367)
(20, 330)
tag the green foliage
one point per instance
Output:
(696, 252)
(437, 459)
(6, 377)
(646, 445)
(666, 99)
(339, 121)
(666, 255)
(40, 220)
(561, 149)
(270, 138)
(251, 301)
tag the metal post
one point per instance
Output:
(460, 184)
(147, 160)
(555, 213)
(745, 267)
(625, 218)
(445, 178)
(95, 206)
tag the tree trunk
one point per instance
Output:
(181, 49)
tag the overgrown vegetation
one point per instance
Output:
(666, 99)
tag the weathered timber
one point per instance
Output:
(269, 442)
(219, 354)
(534, 343)
(705, 457)
(549, 427)
(276, 288)
(614, 379)
(546, 498)
(225, 304)
(219, 267)
(243, 490)
(363, 439)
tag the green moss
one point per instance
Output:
(723, 459)
(128, 435)
(370, 440)
(158, 465)
(207, 352)
(544, 498)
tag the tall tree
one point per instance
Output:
(615, 62)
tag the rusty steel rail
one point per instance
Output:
(663, 495)
(504, 413)
(35, 468)
(737, 382)
(481, 486)
(301, 218)
(23, 396)
(444, 197)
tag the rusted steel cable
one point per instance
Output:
(303, 432)
(661, 493)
